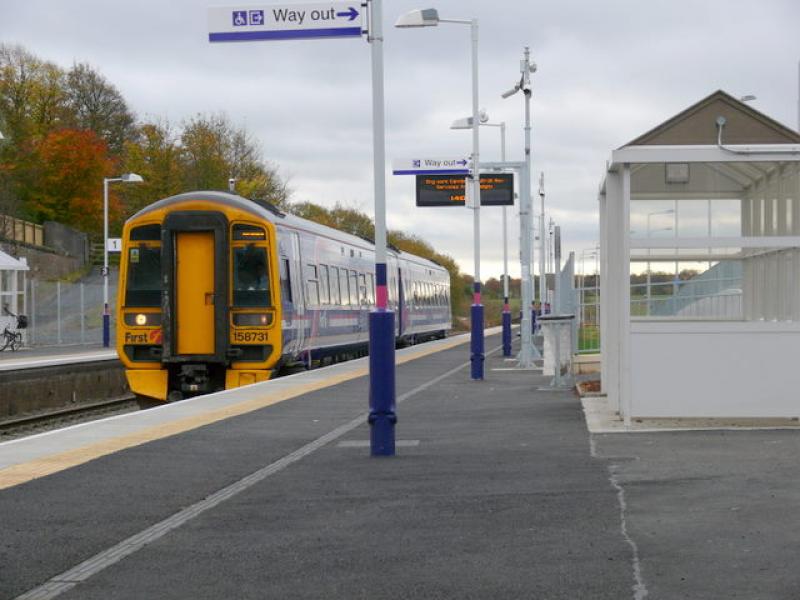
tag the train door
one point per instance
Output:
(296, 283)
(401, 303)
(194, 292)
(194, 266)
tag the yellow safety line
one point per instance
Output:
(24, 472)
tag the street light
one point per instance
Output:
(747, 98)
(429, 18)
(527, 352)
(126, 178)
(466, 123)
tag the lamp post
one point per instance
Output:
(467, 124)
(527, 353)
(126, 178)
(667, 211)
(430, 18)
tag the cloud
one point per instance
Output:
(607, 72)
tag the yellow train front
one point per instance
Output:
(197, 302)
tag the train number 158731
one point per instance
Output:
(250, 337)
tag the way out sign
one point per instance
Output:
(284, 21)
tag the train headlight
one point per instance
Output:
(252, 319)
(143, 319)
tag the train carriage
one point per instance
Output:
(217, 291)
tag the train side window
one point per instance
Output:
(286, 281)
(371, 288)
(324, 285)
(362, 289)
(353, 288)
(312, 285)
(250, 276)
(344, 287)
(336, 298)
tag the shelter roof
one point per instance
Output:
(9, 263)
(696, 125)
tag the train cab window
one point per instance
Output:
(324, 285)
(353, 288)
(143, 286)
(286, 281)
(336, 298)
(250, 276)
(312, 285)
(344, 288)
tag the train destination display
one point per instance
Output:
(449, 190)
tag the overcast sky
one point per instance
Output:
(608, 71)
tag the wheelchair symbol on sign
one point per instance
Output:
(239, 18)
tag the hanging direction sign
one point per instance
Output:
(448, 190)
(284, 22)
(431, 166)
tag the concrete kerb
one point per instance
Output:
(600, 418)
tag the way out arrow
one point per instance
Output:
(352, 14)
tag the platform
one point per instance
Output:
(498, 491)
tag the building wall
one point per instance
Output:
(43, 263)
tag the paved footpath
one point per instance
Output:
(494, 493)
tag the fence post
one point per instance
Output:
(58, 309)
(33, 312)
(83, 337)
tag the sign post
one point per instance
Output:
(334, 20)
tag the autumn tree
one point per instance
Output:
(95, 104)
(154, 153)
(66, 171)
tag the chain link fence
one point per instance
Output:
(62, 313)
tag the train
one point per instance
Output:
(217, 291)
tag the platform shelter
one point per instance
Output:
(700, 251)
(12, 288)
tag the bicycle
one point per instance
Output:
(12, 338)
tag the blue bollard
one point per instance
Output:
(476, 341)
(506, 329)
(106, 329)
(382, 415)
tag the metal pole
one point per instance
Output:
(476, 337)
(106, 313)
(83, 317)
(58, 310)
(33, 311)
(557, 270)
(382, 402)
(542, 251)
(506, 318)
(527, 352)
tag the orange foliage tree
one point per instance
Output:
(65, 174)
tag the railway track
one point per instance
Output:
(30, 424)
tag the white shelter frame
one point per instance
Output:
(618, 330)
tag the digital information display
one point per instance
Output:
(448, 190)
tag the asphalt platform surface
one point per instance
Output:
(497, 491)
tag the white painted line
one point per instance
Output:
(67, 580)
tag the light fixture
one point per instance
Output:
(427, 17)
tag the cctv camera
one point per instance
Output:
(483, 116)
